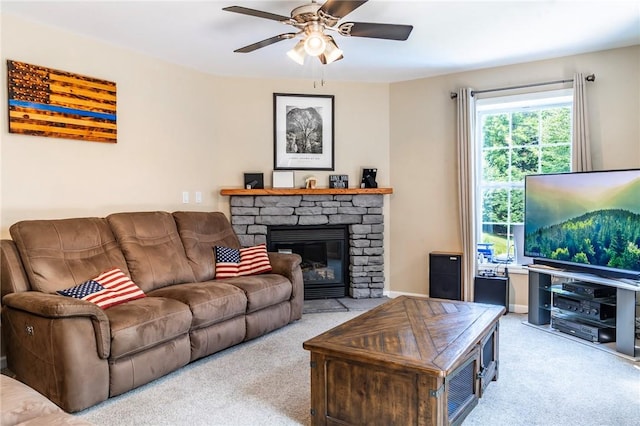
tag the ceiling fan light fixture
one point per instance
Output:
(315, 43)
(297, 53)
(332, 52)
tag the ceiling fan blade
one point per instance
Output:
(257, 13)
(341, 8)
(371, 30)
(265, 42)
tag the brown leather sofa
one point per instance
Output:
(78, 354)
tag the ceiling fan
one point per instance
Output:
(312, 20)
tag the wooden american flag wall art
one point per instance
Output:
(52, 103)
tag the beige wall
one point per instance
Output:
(424, 208)
(179, 130)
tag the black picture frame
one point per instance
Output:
(369, 178)
(303, 127)
(254, 181)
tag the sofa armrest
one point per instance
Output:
(288, 265)
(58, 346)
(282, 263)
(59, 307)
(12, 275)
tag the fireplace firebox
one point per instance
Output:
(325, 256)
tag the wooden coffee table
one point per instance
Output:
(410, 361)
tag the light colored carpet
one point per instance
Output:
(343, 304)
(544, 380)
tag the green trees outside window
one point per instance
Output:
(515, 140)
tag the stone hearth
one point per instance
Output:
(251, 215)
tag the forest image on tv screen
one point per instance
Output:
(585, 218)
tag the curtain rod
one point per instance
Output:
(590, 77)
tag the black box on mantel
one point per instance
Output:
(338, 181)
(253, 181)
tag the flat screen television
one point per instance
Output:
(585, 222)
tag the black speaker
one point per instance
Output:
(492, 290)
(445, 275)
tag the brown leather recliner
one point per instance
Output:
(78, 354)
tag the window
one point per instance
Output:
(516, 136)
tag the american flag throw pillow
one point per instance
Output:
(246, 261)
(108, 289)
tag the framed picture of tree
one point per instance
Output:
(303, 132)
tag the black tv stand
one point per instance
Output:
(541, 309)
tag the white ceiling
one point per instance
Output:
(448, 36)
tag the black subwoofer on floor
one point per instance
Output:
(492, 290)
(445, 275)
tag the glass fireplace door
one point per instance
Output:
(324, 257)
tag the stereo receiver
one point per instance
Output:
(593, 291)
(588, 308)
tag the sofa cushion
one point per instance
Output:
(239, 262)
(262, 290)
(108, 289)
(210, 302)
(143, 323)
(152, 247)
(21, 403)
(59, 254)
(200, 233)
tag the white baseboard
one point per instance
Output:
(519, 309)
(393, 294)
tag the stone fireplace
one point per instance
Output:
(361, 214)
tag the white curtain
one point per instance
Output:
(466, 188)
(581, 153)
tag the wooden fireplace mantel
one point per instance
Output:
(304, 191)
